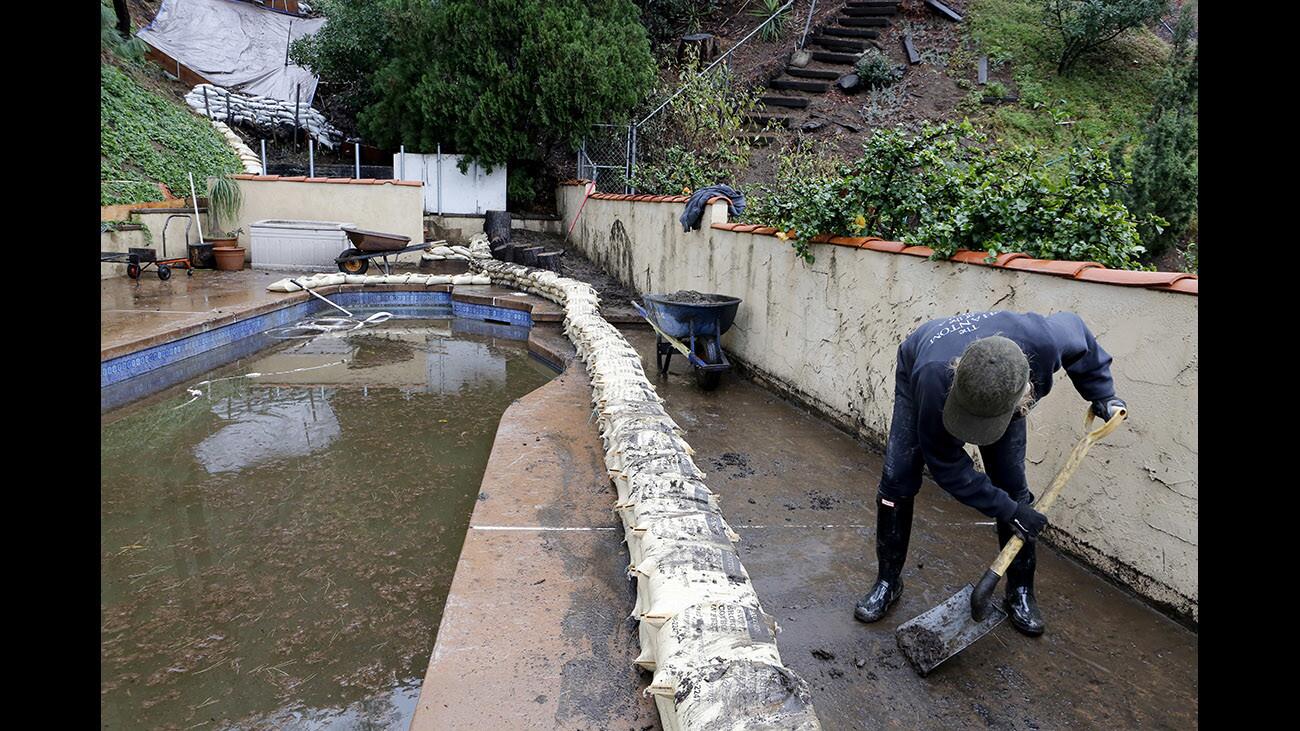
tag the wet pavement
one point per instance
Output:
(799, 493)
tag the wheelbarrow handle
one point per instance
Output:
(983, 590)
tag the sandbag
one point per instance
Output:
(676, 575)
(703, 634)
(740, 695)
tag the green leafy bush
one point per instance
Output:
(1087, 25)
(146, 139)
(874, 69)
(348, 49)
(1165, 166)
(700, 138)
(947, 189)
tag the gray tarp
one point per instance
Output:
(236, 45)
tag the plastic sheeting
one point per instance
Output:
(235, 45)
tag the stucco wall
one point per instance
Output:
(827, 334)
(378, 205)
(120, 242)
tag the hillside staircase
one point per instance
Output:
(835, 49)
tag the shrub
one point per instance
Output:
(945, 188)
(874, 70)
(774, 28)
(1165, 168)
(348, 49)
(700, 138)
(1086, 25)
(665, 20)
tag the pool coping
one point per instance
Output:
(124, 361)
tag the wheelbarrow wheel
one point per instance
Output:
(164, 272)
(353, 266)
(133, 271)
(708, 350)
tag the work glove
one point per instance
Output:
(1027, 522)
(1106, 408)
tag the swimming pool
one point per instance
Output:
(275, 551)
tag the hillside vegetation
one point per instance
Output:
(146, 139)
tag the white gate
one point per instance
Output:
(447, 189)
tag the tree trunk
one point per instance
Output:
(123, 18)
(496, 224)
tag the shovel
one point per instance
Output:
(951, 627)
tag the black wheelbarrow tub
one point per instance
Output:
(680, 319)
(375, 240)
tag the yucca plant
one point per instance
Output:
(772, 29)
(224, 201)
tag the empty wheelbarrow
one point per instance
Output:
(691, 323)
(367, 245)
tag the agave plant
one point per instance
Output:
(224, 201)
(772, 29)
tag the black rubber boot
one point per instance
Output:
(1022, 607)
(893, 529)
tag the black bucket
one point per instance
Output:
(202, 257)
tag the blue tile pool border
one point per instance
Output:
(166, 354)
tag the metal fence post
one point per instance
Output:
(401, 162)
(264, 157)
(439, 178)
(356, 147)
(631, 156)
(311, 158)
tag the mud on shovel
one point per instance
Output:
(951, 627)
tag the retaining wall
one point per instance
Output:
(826, 334)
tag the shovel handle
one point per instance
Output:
(1048, 499)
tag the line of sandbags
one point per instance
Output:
(324, 279)
(702, 630)
(261, 112)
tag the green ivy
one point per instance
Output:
(947, 188)
(146, 139)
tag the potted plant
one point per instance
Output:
(224, 201)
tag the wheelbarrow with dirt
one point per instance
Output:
(367, 245)
(691, 323)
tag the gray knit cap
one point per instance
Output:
(986, 389)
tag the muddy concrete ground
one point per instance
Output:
(800, 494)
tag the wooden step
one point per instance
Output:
(870, 3)
(850, 32)
(868, 11)
(816, 87)
(838, 44)
(874, 21)
(763, 120)
(835, 58)
(793, 102)
(944, 10)
(813, 73)
(912, 56)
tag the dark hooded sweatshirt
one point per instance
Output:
(1049, 343)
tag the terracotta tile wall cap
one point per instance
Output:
(411, 183)
(726, 226)
(1189, 285)
(294, 178)
(1127, 278)
(821, 239)
(765, 231)
(1052, 266)
(854, 241)
(744, 228)
(339, 181)
(890, 247)
(717, 198)
(917, 251)
(245, 176)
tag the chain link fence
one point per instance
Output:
(608, 157)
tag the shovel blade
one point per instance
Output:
(944, 631)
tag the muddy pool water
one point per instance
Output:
(275, 552)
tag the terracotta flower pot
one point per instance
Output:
(230, 242)
(229, 258)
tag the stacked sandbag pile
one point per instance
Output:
(249, 159)
(261, 112)
(478, 249)
(703, 632)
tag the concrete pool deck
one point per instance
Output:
(535, 632)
